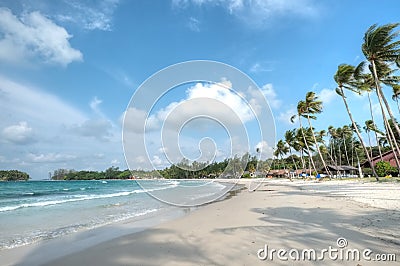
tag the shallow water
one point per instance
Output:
(35, 210)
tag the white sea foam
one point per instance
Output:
(81, 198)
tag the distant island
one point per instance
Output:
(13, 175)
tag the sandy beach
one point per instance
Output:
(278, 215)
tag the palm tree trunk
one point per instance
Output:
(358, 134)
(305, 142)
(389, 133)
(373, 122)
(382, 96)
(345, 150)
(316, 146)
(291, 155)
(369, 142)
(392, 142)
(398, 106)
(303, 164)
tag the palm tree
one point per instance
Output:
(396, 96)
(281, 150)
(344, 78)
(367, 83)
(381, 49)
(332, 143)
(301, 110)
(299, 146)
(346, 134)
(313, 106)
(290, 139)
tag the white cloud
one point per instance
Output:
(259, 12)
(260, 67)
(97, 16)
(264, 150)
(34, 36)
(271, 96)
(156, 161)
(94, 104)
(26, 103)
(286, 115)
(212, 121)
(223, 105)
(193, 24)
(327, 95)
(50, 158)
(18, 134)
(61, 136)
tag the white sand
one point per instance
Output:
(281, 214)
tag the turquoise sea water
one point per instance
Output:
(35, 210)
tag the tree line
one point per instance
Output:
(229, 168)
(13, 175)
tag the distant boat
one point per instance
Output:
(104, 182)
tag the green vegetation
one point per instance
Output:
(385, 169)
(110, 173)
(381, 48)
(13, 175)
(213, 170)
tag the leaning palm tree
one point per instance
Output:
(344, 78)
(381, 49)
(366, 82)
(301, 110)
(314, 106)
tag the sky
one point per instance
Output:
(69, 69)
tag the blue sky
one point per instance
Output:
(68, 69)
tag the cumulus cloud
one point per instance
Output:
(212, 121)
(271, 96)
(223, 104)
(34, 36)
(21, 133)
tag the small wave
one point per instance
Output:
(80, 198)
(42, 235)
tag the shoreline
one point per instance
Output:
(280, 213)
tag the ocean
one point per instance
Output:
(32, 211)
